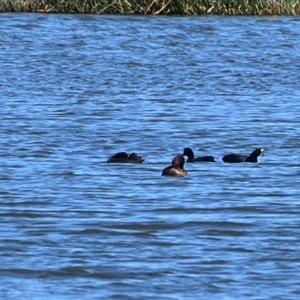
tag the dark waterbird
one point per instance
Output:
(176, 169)
(123, 157)
(238, 158)
(191, 157)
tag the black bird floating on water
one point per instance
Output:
(191, 157)
(238, 158)
(123, 157)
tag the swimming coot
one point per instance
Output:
(191, 158)
(176, 169)
(123, 157)
(237, 158)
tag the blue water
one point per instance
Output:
(77, 89)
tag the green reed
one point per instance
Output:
(155, 7)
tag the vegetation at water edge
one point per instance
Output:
(155, 7)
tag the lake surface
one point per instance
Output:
(76, 89)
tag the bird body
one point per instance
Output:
(123, 157)
(191, 157)
(238, 158)
(177, 167)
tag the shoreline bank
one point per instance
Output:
(156, 7)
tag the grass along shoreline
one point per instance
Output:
(155, 7)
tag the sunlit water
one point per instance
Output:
(77, 89)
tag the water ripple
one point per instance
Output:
(77, 89)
